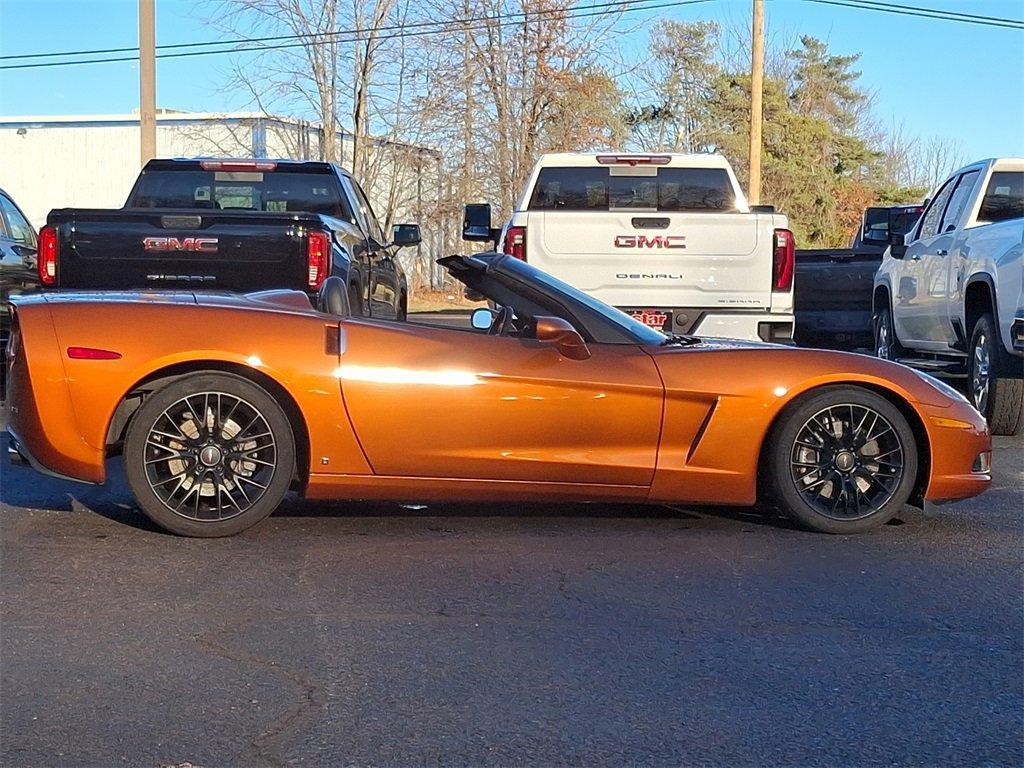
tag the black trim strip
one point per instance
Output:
(701, 430)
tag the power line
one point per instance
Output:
(925, 13)
(460, 23)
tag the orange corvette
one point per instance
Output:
(221, 403)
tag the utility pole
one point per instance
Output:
(147, 79)
(756, 90)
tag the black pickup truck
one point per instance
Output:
(832, 288)
(232, 225)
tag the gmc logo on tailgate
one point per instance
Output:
(191, 244)
(643, 241)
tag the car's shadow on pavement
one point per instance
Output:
(20, 486)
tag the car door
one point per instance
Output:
(455, 404)
(912, 303)
(382, 290)
(17, 251)
(938, 267)
(361, 255)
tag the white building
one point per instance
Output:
(92, 161)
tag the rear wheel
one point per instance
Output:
(210, 454)
(993, 386)
(887, 346)
(843, 460)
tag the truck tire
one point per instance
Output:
(994, 380)
(841, 460)
(208, 455)
(887, 346)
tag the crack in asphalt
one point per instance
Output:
(264, 748)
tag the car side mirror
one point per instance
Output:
(476, 223)
(560, 333)
(897, 245)
(405, 234)
(482, 319)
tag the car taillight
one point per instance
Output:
(782, 261)
(515, 242)
(46, 258)
(318, 259)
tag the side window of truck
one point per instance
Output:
(933, 216)
(20, 230)
(363, 210)
(958, 201)
(1004, 198)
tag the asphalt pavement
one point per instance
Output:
(377, 634)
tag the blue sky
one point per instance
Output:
(939, 79)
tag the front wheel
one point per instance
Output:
(843, 460)
(210, 454)
(997, 396)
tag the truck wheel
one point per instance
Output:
(992, 388)
(210, 454)
(887, 346)
(355, 300)
(842, 460)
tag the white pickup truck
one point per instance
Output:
(668, 238)
(949, 296)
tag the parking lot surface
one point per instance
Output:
(508, 635)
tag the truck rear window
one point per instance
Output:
(241, 191)
(611, 189)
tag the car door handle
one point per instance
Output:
(942, 252)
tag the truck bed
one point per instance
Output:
(832, 297)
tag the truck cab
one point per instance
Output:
(949, 295)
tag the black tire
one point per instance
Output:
(994, 380)
(887, 346)
(177, 462)
(355, 300)
(402, 313)
(857, 484)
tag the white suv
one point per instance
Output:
(949, 296)
(667, 238)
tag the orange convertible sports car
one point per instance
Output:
(222, 403)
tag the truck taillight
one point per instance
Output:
(515, 242)
(46, 258)
(318, 259)
(782, 261)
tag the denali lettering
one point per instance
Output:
(643, 241)
(193, 244)
(648, 276)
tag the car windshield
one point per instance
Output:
(528, 290)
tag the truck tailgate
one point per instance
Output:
(163, 248)
(635, 259)
(834, 280)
